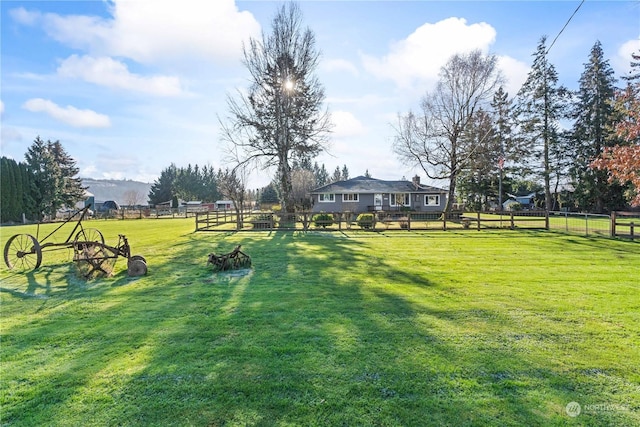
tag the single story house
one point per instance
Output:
(363, 194)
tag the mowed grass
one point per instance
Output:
(390, 329)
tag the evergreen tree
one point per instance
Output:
(28, 201)
(592, 132)
(8, 194)
(321, 174)
(478, 179)
(268, 195)
(210, 191)
(345, 173)
(337, 175)
(541, 105)
(47, 178)
(510, 151)
(162, 188)
(71, 190)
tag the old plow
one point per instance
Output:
(91, 255)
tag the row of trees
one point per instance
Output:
(467, 130)
(40, 186)
(208, 185)
(470, 133)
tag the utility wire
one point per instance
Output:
(565, 25)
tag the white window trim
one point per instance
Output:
(426, 199)
(394, 196)
(329, 198)
(355, 197)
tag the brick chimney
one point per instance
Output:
(416, 181)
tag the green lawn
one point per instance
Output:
(391, 329)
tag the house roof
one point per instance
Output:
(362, 184)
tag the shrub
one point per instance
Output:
(323, 220)
(365, 220)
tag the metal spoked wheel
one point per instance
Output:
(22, 253)
(89, 235)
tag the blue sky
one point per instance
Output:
(130, 87)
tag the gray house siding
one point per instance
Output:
(363, 194)
(338, 205)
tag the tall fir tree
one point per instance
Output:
(478, 178)
(510, 151)
(162, 188)
(592, 132)
(71, 189)
(47, 177)
(541, 104)
(345, 173)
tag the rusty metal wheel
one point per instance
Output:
(22, 253)
(136, 267)
(89, 235)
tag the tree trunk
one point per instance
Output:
(284, 172)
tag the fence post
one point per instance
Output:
(546, 220)
(613, 224)
(444, 221)
(586, 224)
(478, 220)
(631, 230)
(513, 225)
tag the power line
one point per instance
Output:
(565, 25)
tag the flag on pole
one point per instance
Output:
(501, 162)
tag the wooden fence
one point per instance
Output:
(381, 221)
(625, 224)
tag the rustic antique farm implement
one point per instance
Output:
(230, 261)
(23, 252)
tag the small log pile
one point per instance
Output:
(233, 260)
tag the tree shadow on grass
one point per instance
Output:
(279, 347)
(321, 332)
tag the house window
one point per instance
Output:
(326, 197)
(350, 197)
(399, 199)
(432, 200)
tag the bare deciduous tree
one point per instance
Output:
(302, 182)
(232, 186)
(434, 138)
(131, 197)
(280, 119)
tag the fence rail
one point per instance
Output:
(381, 221)
(624, 224)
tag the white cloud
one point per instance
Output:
(24, 17)
(622, 62)
(69, 115)
(153, 31)
(111, 73)
(515, 73)
(346, 125)
(421, 55)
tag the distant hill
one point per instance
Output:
(119, 190)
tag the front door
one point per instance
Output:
(377, 201)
